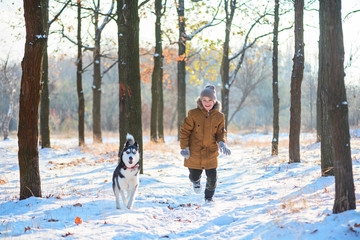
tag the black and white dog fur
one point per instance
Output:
(126, 174)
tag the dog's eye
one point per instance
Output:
(128, 151)
(134, 151)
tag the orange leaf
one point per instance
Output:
(154, 217)
(2, 181)
(357, 225)
(27, 229)
(181, 57)
(78, 220)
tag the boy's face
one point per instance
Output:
(207, 103)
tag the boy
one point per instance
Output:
(202, 134)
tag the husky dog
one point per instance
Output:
(126, 175)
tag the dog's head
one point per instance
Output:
(130, 154)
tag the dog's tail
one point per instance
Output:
(130, 139)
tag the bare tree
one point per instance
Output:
(130, 110)
(157, 103)
(296, 80)
(181, 63)
(98, 75)
(275, 85)
(35, 45)
(252, 75)
(324, 125)
(9, 82)
(97, 136)
(331, 34)
(228, 77)
(45, 99)
(79, 88)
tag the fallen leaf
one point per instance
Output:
(27, 229)
(357, 225)
(78, 220)
(77, 205)
(53, 220)
(2, 181)
(67, 234)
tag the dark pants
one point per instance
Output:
(211, 174)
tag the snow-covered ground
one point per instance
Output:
(259, 196)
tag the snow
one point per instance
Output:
(259, 196)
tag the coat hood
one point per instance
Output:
(217, 105)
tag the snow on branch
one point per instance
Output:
(106, 20)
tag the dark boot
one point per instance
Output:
(209, 195)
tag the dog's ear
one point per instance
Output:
(137, 145)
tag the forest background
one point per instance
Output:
(203, 65)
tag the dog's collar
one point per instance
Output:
(135, 166)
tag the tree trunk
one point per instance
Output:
(8, 117)
(79, 88)
(225, 68)
(331, 33)
(181, 63)
(156, 84)
(275, 85)
(10, 89)
(129, 73)
(296, 80)
(45, 99)
(28, 155)
(324, 121)
(45, 105)
(311, 103)
(96, 111)
(224, 72)
(318, 104)
(161, 108)
(225, 62)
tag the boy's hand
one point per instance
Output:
(185, 153)
(224, 149)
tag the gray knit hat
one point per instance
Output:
(209, 91)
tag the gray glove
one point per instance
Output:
(185, 153)
(224, 149)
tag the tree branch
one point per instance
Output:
(352, 12)
(209, 24)
(74, 42)
(143, 3)
(108, 69)
(58, 14)
(106, 20)
(247, 46)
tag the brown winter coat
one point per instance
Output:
(201, 131)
